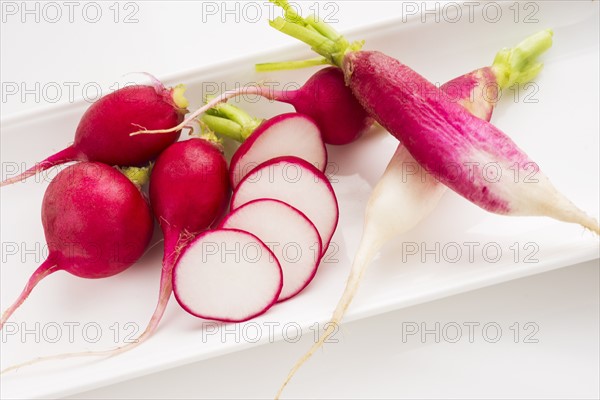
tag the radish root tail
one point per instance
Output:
(43, 271)
(63, 156)
(172, 250)
(152, 325)
(365, 254)
(249, 90)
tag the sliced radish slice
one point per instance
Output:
(227, 275)
(290, 134)
(288, 233)
(297, 183)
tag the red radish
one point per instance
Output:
(189, 189)
(103, 133)
(227, 275)
(324, 98)
(297, 183)
(405, 195)
(290, 134)
(327, 99)
(442, 136)
(96, 223)
(289, 234)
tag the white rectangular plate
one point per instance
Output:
(555, 121)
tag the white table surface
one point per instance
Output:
(371, 360)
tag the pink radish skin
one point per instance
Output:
(96, 223)
(287, 228)
(211, 281)
(290, 134)
(103, 133)
(297, 183)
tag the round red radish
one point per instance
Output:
(290, 134)
(298, 183)
(103, 133)
(96, 223)
(227, 275)
(189, 189)
(327, 99)
(288, 233)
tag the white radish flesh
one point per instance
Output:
(297, 183)
(227, 275)
(289, 134)
(288, 233)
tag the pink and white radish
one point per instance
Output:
(443, 137)
(227, 275)
(103, 133)
(291, 134)
(384, 218)
(96, 222)
(289, 234)
(297, 183)
(324, 98)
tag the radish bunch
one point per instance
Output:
(267, 249)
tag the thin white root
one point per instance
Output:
(223, 97)
(150, 329)
(365, 254)
(554, 204)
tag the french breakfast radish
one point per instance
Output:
(297, 183)
(443, 137)
(289, 234)
(103, 133)
(405, 194)
(227, 275)
(290, 134)
(96, 222)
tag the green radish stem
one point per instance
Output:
(139, 176)
(289, 65)
(231, 121)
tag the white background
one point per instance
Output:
(371, 360)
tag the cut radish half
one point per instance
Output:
(297, 183)
(288, 233)
(227, 275)
(290, 134)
